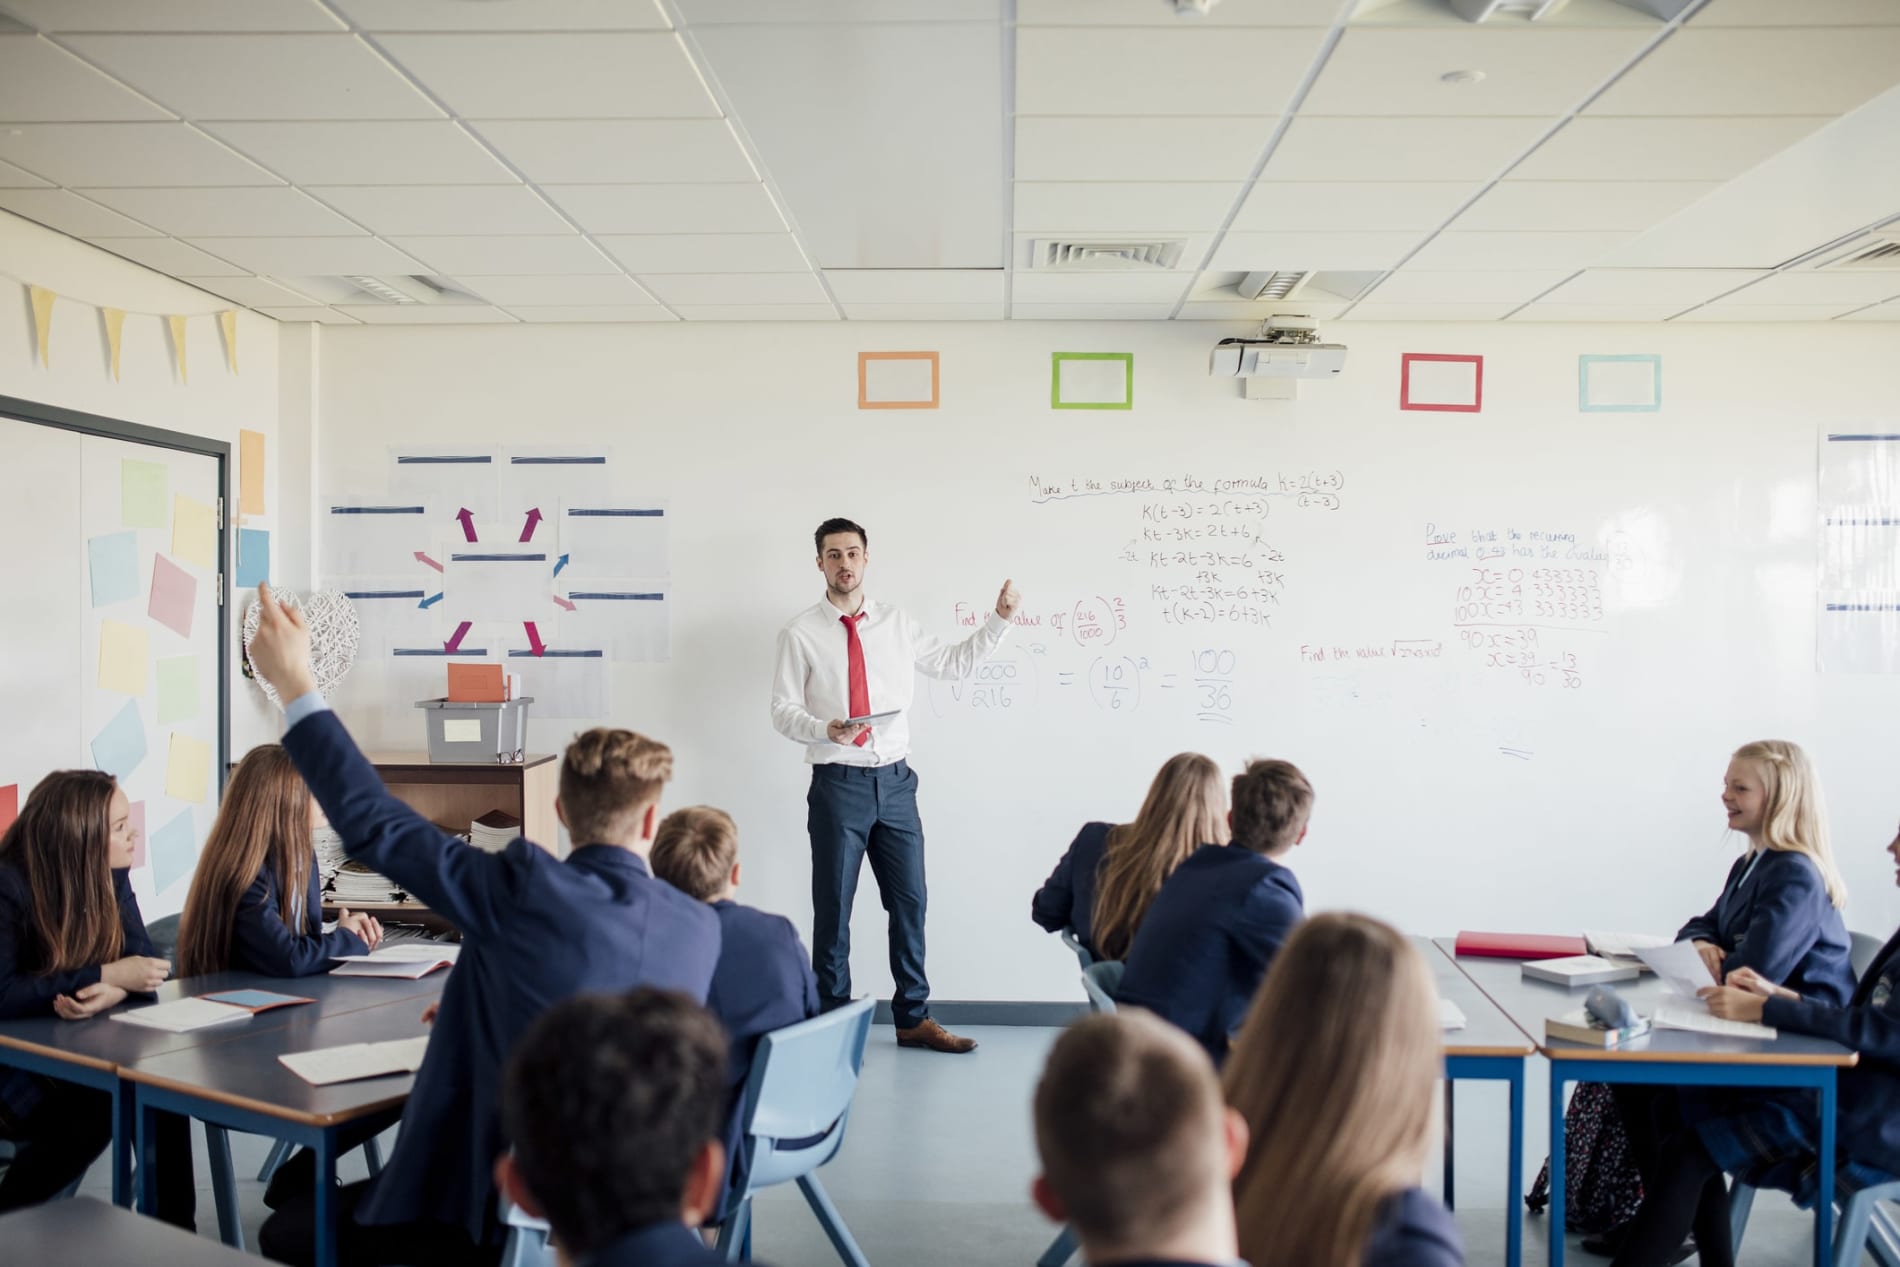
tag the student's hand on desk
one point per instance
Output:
(844, 732)
(428, 1013)
(281, 648)
(1731, 1004)
(364, 926)
(1008, 600)
(136, 974)
(90, 1001)
(1712, 958)
(1753, 982)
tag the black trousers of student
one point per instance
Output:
(289, 1235)
(854, 812)
(1683, 1189)
(67, 1131)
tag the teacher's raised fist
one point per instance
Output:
(1008, 601)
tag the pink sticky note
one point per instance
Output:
(174, 592)
(9, 805)
(138, 833)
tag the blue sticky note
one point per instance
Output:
(120, 747)
(173, 848)
(253, 557)
(114, 564)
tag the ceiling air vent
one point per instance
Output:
(1125, 255)
(1877, 252)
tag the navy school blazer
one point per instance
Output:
(1779, 922)
(1067, 898)
(536, 930)
(1207, 939)
(655, 1245)
(1414, 1230)
(263, 942)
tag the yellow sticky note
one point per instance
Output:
(122, 657)
(194, 532)
(188, 768)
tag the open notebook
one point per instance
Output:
(409, 960)
(352, 1061)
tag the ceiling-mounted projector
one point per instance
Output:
(1287, 348)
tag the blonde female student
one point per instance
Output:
(1336, 1072)
(1104, 883)
(72, 944)
(256, 901)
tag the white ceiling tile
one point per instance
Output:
(1515, 250)
(754, 12)
(1351, 206)
(1233, 309)
(259, 76)
(1091, 312)
(1400, 149)
(1143, 13)
(1738, 71)
(1464, 286)
(504, 15)
(1428, 312)
(1661, 149)
(245, 211)
(1678, 286)
(496, 256)
(426, 314)
(1174, 70)
(313, 257)
(1059, 287)
(609, 314)
(603, 290)
(1766, 312)
(113, 154)
(1597, 312)
(12, 177)
(621, 151)
(757, 312)
(732, 208)
(443, 210)
(735, 289)
(69, 213)
(418, 152)
(598, 75)
(1132, 148)
(706, 252)
(916, 285)
(1565, 14)
(1241, 252)
(170, 256)
(39, 82)
(55, 16)
(1820, 287)
(1527, 70)
(1879, 312)
(1807, 13)
(1120, 206)
(321, 316)
(1577, 205)
(252, 292)
(924, 312)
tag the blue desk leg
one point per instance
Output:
(1514, 1173)
(1557, 1079)
(326, 1206)
(1451, 1176)
(124, 1127)
(147, 1159)
(1824, 1204)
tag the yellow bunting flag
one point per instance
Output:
(178, 343)
(42, 317)
(227, 322)
(115, 326)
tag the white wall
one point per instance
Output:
(754, 435)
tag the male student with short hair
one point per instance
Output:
(536, 929)
(1217, 922)
(1139, 1151)
(764, 979)
(614, 1103)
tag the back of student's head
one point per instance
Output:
(1335, 1071)
(609, 778)
(1794, 813)
(609, 1102)
(695, 849)
(61, 843)
(1186, 808)
(1129, 1123)
(263, 823)
(1272, 801)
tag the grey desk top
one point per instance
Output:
(1530, 1003)
(1488, 1031)
(87, 1230)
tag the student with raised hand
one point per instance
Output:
(256, 900)
(1336, 1073)
(1221, 917)
(1137, 1148)
(536, 929)
(764, 980)
(73, 944)
(614, 1104)
(1105, 882)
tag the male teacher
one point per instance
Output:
(847, 658)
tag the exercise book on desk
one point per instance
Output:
(409, 961)
(255, 1001)
(1623, 946)
(1578, 1027)
(1580, 970)
(184, 1015)
(1450, 1015)
(1697, 1019)
(352, 1061)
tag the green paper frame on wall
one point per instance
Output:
(1055, 380)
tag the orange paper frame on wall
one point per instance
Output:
(864, 361)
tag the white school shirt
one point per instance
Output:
(812, 685)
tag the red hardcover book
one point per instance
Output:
(1519, 946)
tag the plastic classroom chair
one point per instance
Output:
(1861, 952)
(792, 1116)
(1070, 940)
(1863, 1224)
(527, 1244)
(1099, 981)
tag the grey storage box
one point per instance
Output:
(477, 734)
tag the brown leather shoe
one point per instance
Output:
(934, 1036)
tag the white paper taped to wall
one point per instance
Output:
(449, 478)
(503, 583)
(1857, 631)
(563, 682)
(630, 619)
(390, 612)
(373, 538)
(625, 539)
(542, 478)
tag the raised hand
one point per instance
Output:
(1008, 600)
(280, 651)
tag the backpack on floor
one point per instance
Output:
(1601, 1185)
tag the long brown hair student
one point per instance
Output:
(1186, 807)
(72, 908)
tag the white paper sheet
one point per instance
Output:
(571, 683)
(1680, 966)
(183, 1015)
(400, 969)
(389, 610)
(410, 952)
(1857, 631)
(620, 538)
(1450, 1015)
(541, 478)
(630, 618)
(348, 1063)
(1695, 1017)
(449, 478)
(508, 583)
(375, 537)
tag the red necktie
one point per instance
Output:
(860, 688)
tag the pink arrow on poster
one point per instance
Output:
(534, 637)
(455, 644)
(534, 518)
(423, 558)
(468, 522)
(563, 603)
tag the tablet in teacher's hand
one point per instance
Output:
(872, 719)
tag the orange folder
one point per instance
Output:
(477, 684)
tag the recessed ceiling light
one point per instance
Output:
(1462, 77)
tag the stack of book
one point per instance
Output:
(494, 831)
(354, 884)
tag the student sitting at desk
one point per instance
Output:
(536, 929)
(1221, 917)
(1336, 1073)
(1108, 878)
(72, 944)
(615, 1104)
(1137, 1148)
(764, 980)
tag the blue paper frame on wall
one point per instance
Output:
(1587, 359)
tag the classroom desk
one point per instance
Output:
(87, 1231)
(241, 1085)
(1490, 1047)
(1669, 1057)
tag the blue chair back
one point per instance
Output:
(1100, 981)
(1861, 951)
(1082, 954)
(803, 1078)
